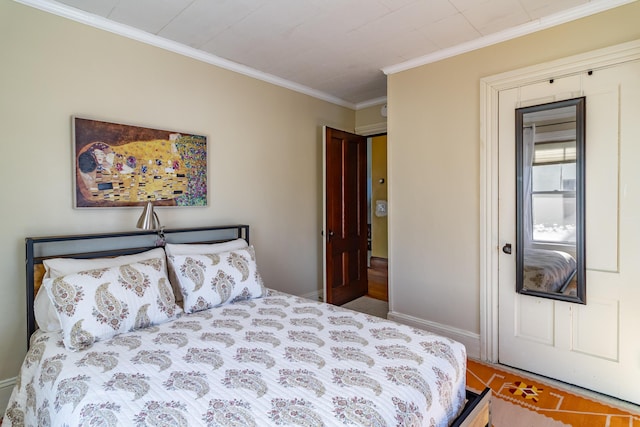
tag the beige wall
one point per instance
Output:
(264, 154)
(434, 186)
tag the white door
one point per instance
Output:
(597, 345)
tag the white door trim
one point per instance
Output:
(489, 90)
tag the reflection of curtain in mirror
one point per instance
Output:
(528, 136)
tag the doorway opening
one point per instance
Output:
(355, 209)
(377, 224)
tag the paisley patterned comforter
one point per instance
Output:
(271, 361)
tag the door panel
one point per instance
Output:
(594, 345)
(346, 216)
(600, 319)
(603, 168)
(535, 320)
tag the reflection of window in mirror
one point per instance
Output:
(554, 192)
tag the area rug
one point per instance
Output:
(519, 401)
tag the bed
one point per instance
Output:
(233, 352)
(548, 270)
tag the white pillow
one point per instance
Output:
(98, 304)
(56, 267)
(204, 248)
(45, 313)
(197, 249)
(210, 280)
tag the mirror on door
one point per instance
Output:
(550, 206)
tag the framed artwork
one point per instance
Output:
(119, 165)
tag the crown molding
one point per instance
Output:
(105, 24)
(372, 129)
(175, 47)
(590, 8)
(371, 103)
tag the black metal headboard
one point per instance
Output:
(86, 246)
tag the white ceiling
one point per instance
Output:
(332, 49)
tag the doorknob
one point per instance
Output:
(507, 249)
(330, 235)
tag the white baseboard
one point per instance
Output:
(6, 387)
(470, 340)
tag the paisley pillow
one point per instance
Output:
(197, 249)
(211, 280)
(98, 304)
(45, 314)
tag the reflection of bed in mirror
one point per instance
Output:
(548, 270)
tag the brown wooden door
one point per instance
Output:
(346, 216)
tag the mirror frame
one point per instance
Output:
(580, 296)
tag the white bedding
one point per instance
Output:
(271, 361)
